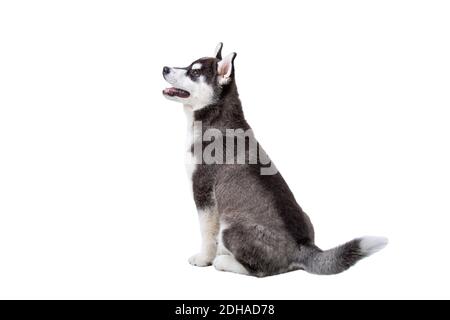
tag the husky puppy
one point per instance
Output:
(250, 221)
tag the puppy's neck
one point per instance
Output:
(189, 112)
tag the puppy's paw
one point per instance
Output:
(200, 260)
(230, 264)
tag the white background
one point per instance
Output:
(350, 99)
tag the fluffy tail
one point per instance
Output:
(340, 258)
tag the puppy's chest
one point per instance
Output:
(189, 161)
(191, 137)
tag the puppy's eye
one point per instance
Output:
(195, 73)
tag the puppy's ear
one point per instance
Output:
(225, 68)
(218, 51)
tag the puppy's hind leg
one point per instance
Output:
(256, 250)
(228, 263)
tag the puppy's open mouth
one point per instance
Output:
(176, 92)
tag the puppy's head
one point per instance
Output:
(202, 82)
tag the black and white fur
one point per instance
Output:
(250, 223)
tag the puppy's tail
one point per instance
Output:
(339, 259)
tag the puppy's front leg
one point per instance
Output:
(209, 228)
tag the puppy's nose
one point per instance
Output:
(166, 70)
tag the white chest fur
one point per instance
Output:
(190, 138)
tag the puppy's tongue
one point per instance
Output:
(175, 92)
